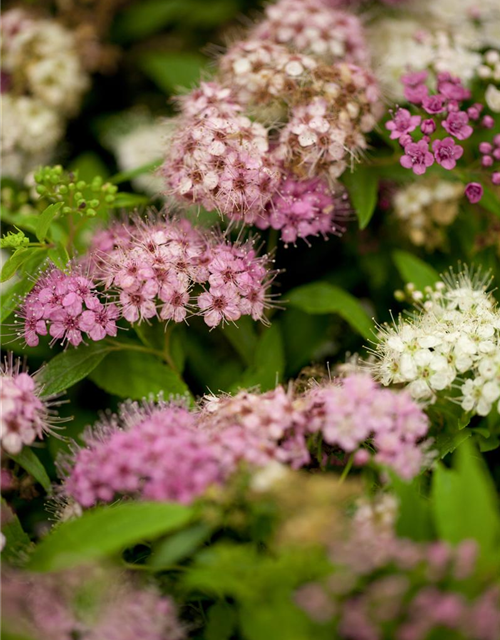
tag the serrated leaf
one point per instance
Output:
(325, 298)
(362, 185)
(45, 219)
(105, 531)
(412, 269)
(136, 375)
(30, 463)
(71, 366)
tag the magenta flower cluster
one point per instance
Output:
(51, 607)
(304, 66)
(304, 208)
(358, 412)
(65, 306)
(490, 160)
(444, 110)
(153, 268)
(170, 453)
(25, 416)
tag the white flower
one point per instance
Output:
(492, 97)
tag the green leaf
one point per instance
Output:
(126, 200)
(89, 165)
(178, 546)
(221, 622)
(414, 512)
(412, 269)
(171, 70)
(147, 17)
(59, 256)
(45, 219)
(323, 298)
(14, 262)
(269, 362)
(17, 542)
(10, 299)
(71, 366)
(104, 531)
(465, 503)
(243, 337)
(30, 463)
(362, 185)
(490, 201)
(446, 443)
(136, 375)
(125, 176)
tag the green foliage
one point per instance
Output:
(17, 542)
(14, 240)
(412, 269)
(173, 70)
(323, 297)
(30, 463)
(268, 365)
(106, 531)
(178, 546)
(362, 185)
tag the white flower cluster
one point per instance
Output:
(44, 82)
(425, 207)
(489, 71)
(398, 45)
(452, 342)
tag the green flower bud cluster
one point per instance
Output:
(78, 196)
(14, 240)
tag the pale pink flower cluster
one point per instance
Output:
(65, 306)
(154, 266)
(359, 411)
(326, 134)
(51, 607)
(25, 416)
(218, 157)
(303, 208)
(302, 72)
(310, 26)
(259, 72)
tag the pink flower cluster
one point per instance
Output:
(169, 453)
(394, 588)
(310, 26)
(25, 416)
(358, 412)
(154, 266)
(51, 607)
(490, 159)
(444, 110)
(303, 67)
(66, 305)
(218, 157)
(303, 208)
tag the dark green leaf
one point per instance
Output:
(136, 375)
(490, 201)
(45, 219)
(414, 512)
(125, 176)
(59, 256)
(104, 531)
(362, 185)
(71, 366)
(178, 546)
(171, 70)
(10, 298)
(143, 19)
(89, 165)
(323, 298)
(17, 542)
(30, 463)
(412, 269)
(221, 622)
(269, 362)
(243, 337)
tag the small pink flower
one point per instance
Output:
(428, 127)
(488, 122)
(434, 104)
(416, 95)
(485, 147)
(402, 123)
(487, 161)
(447, 152)
(456, 124)
(220, 305)
(474, 192)
(495, 178)
(417, 157)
